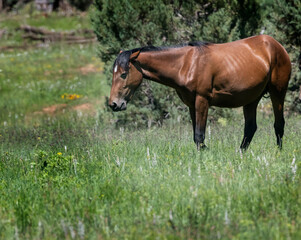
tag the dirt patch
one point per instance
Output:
(50, 111)
(90, 68)
(83, 107)
(54, 108)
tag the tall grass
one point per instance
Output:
(72, 177)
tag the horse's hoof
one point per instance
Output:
(201, 146)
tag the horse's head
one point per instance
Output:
(127, 77)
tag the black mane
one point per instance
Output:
(123, 58)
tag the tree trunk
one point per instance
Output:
(56, 5)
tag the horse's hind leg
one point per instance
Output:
(250, 123)
(277, 98)
(277, 89)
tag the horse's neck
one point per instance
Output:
(162, 66)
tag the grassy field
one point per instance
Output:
(66, 172)
(33, 80)
(72, 177)
(11, 23)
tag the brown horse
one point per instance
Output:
(204, 74)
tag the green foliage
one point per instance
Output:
(82, 5)
(54, 164)
(284, 23)
(129, 24)
(289, 20)
(8, 4)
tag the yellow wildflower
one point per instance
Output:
(59, 153)
(71, 96)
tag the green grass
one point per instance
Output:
(33, 79)
(54, 21)
(147, 184)
(60, 23)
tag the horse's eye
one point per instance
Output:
(123, 75)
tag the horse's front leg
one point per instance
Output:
(201, 113)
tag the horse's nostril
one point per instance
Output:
(123, 105)
(113, 105)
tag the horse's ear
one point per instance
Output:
(134, 55)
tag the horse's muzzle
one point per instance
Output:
(118, 107)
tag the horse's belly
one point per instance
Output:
(236, 97)
(228, 100)
(238, 89)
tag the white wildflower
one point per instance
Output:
(265, 161)
(118, 162)
(253, 155)
(64, 227)
(16, 233)
(72, 232)
(155, 160)
(209, 133)
(81, 229)
(227, 220)
(240, 152)
(75, 165)
(294, 167)
(170, 215)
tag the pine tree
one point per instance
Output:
(285, 19)
(127, 24)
